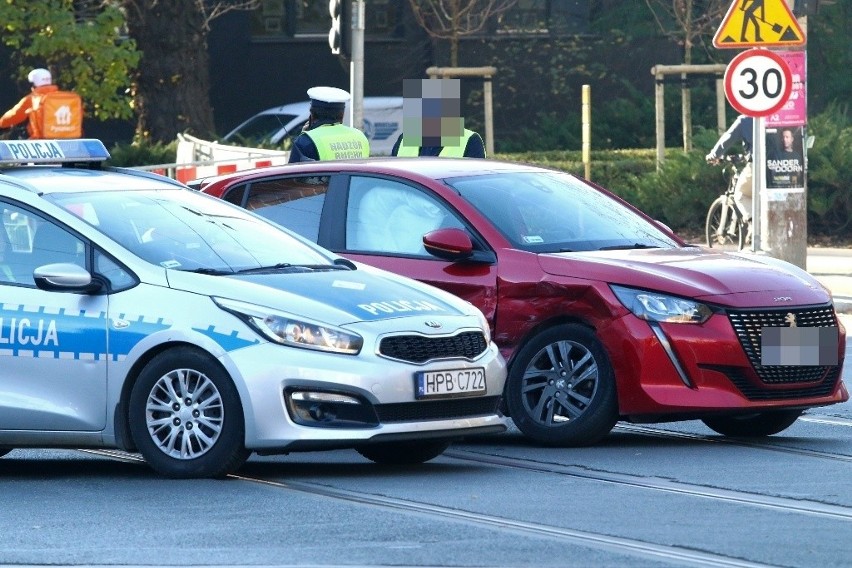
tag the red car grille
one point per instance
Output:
(419, 348)
(753, 391)
(748, 326)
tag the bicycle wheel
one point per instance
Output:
(742, 233)
(714, 232)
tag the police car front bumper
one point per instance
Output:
(299, 399)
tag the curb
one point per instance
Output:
(842, 304)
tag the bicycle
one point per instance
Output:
(725, 224)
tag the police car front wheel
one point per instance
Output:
(185, 416)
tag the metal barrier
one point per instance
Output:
(197, 158)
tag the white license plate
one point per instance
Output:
(450, 383)
(808, 346)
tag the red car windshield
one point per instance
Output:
(554, 212)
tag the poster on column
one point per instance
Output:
(785, 134)
(794, 111)
(785, 163)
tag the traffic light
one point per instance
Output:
(341, 22)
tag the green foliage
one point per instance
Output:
(539, 85)
(830, 171)
(83, 49)
(142, 153)
(829, 54)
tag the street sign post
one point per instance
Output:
(758, 82)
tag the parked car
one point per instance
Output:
(382, 124)
(141, 315)
(602, 313)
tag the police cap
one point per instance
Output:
(330, 98)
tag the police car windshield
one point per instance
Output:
(185, 230)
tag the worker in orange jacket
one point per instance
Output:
(42, 83)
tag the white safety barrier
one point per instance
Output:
(197, 158)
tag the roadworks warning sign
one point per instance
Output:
(758, 23)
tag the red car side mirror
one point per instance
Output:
(448, 244)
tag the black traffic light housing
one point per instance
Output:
(339, 36)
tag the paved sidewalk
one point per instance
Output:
(833, 267)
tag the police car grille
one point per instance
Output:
(438, 409)
(419, 348)
(748, 325)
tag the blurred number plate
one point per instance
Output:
(451, 383)
(799, 346)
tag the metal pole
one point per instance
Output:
(660, 110)
(758, 167)
(489, 116)
(721, 121)
(356, 66)
(587, 130)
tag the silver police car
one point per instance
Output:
(141, 315)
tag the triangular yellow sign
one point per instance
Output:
(758, 23)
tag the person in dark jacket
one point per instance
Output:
(324, 136)
(741, 131)
(431, 122)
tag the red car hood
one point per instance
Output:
(733, 279)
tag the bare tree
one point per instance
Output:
(453, 19)
(690, 23)
(172, 84)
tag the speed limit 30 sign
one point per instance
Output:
(758, 82)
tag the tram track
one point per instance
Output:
(836, 512)
(673, 554)
(764, 444)
(667, 553)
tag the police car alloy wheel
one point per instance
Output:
(185, 416)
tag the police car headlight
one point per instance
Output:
(294, 331)
(486, 329)
(653, 306)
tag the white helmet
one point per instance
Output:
(40, 77)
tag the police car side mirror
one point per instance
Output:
(65, 277)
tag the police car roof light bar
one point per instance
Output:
(13, 152)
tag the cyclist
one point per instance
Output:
(739, 131)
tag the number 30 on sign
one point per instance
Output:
(758, 82)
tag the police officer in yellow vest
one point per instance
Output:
(324, 137)
(431, 121)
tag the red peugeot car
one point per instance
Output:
(602, 313)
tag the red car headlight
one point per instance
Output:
(653, 306)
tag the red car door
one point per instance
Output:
(385, 223)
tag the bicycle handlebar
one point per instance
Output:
(735, 159)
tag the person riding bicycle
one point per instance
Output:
(740, 131)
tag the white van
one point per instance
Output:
(382, 124)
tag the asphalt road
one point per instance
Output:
(649, 495)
